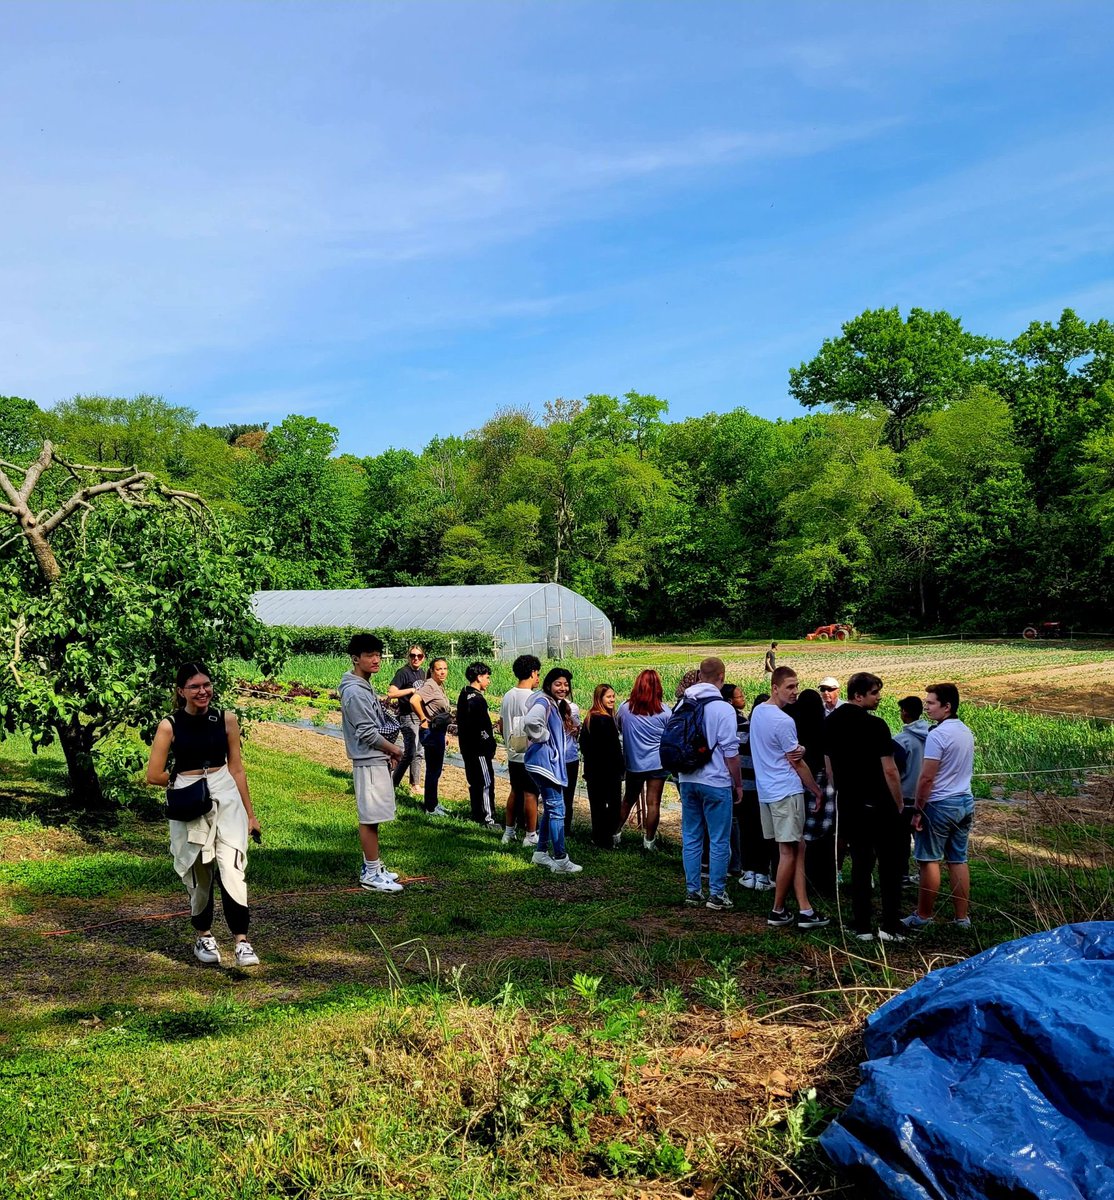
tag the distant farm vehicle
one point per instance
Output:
(1046, 629)
(838, 632)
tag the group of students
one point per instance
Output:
(743, 807)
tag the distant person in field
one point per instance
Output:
(736, 697)
(403, 686)
(829, 693)
(759, 854)
(783, 779)
(911, 739)
(477, 742)
(808, 715)
(369, 740)
(708, 793)
(431, 703)
(860, 758)
(547, 725)
(603, 765)
(770, 664)
(211, 849)
(523, 798)
(944, 807)
(642, 720)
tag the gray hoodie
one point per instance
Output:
(911, 739)
(362, 718)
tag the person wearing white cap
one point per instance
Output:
(829, 693)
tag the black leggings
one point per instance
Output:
(573, 769)
(434, 743)
(236, 915)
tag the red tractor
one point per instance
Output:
(839, 632)
(1046, 629)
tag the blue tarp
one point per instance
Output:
(991, 1078)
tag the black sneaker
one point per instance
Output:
(815, 920)
(777, 919)
(720, 902)
(695, 899)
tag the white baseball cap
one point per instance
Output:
(829, 682)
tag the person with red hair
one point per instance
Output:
(642, 720)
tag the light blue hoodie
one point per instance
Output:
(547, 746)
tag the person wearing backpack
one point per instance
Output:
(701, 743)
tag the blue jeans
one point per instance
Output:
(551, 823)
(707, 809)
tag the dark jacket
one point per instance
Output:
(600, 748)
(473, 724)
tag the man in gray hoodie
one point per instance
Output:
(368, 740)
(911, 739)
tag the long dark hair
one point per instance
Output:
(432, 664)
(550, 679)
(186, 671)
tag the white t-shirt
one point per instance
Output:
(513, 712)
(772, 735)
(953, 744)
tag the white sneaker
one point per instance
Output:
(616, 840)
(530, 839)
(883, 936)
(564, 866)
(378, 881)
(868, 936)
(540, 859)
(763, 883)
(650, 845)
(747, 879)
(245, 955)
(391, 875)
(440, 811)
(508, 835)
(206, 950)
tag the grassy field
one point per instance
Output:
(492, 1031)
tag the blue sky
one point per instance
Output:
(399, 218)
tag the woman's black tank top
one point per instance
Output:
(199, 741)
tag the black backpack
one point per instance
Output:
(684, 745)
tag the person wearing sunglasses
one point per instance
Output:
(406, 682)
(829, 693)
(199, 741)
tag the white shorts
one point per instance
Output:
(375, 792)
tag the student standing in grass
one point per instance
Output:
(603, 765)
(572, 758)
(783, 778)
(477, 742)
(212, 848)
(523, 798)
(431, 704)
(406, 682)
(642, 721)
(945, 807)
(547, 732)
(369, 739)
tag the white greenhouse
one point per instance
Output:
(545, 619)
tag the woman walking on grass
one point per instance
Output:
(603, 765)
(432, 706)
(642, 721)
(547, 726)
(211, 848)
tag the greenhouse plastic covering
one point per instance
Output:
(991, 1078)
(523, 618)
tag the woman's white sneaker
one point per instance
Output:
(245, 955)
(540, 859)
(564, 866)
(378, 881)
(206, 950)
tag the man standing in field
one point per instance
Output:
(477, 742)
(829, 693)
(405, 684)
(512, 725)
(783, 778)
(364, 722)
(945, 807)
(709, 793)
(770, 665)
(859, 754)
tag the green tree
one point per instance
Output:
(21, 427)
(894, 368)
(305, 502)
(107, 583)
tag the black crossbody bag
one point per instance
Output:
(189, 802)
